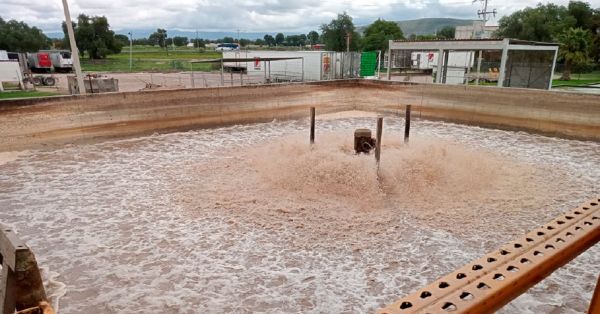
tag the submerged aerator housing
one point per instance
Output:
(363, 142)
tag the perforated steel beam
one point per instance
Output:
(490, 282)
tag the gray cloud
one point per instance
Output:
(247, 15)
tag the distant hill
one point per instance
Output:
(426, 26)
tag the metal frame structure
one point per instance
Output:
(266, 61)
(444, 46)
(490, 282)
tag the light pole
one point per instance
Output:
(74, 50)
(130, 52)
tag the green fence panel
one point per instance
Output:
(368, 63)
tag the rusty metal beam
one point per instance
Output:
(595, 303)
(488, 283)
(21, 285)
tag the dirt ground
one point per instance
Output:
(131, 82)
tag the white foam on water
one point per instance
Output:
(174, 224)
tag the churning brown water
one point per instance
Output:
(251, 218)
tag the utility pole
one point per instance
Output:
(348, 41)
(197, 42)
(74, 50)
(483, 14)
(130, 52)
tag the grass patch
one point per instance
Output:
(151, 59)
(25, 94)
(579, 80)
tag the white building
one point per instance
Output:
(475, 31)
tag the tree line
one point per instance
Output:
(575, 26)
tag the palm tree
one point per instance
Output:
(574, 48)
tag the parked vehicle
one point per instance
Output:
(227, 47)
(39, 62)
(61, 60)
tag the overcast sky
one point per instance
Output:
(248, 15)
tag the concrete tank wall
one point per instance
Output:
(42, 122)
(45, 122)
(562, 114)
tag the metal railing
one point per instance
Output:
(492, 281)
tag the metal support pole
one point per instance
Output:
(407, 124)
(378, 144)
(312, 125)
(389, 64)
(470, 54)
(478, 68)
(231, 76)
(440, 63)
(302, 69)
(74, 50)
(445, 66)
(379, 65)
(192, 75)
(553, 67)
(222, 78)
(91, 86)
(503, 61)
(242, 78)
(130, 52)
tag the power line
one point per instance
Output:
(483, 14)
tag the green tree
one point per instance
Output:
(180, 41)
(336, 32)
(260, 42)
(93, 36)
(123, 40)
(595, 30)
(244, 42)
(574, 47)
(447, 32)
(378, 35)
(198, 42)
(582, 12)
(269, 40)
(228, 39)
(313, 37)
(279, 39)
(542, 23)
(19, 37)
(158, 38)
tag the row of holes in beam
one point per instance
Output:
(448, 306)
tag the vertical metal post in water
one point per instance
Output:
(312, 125)
(407, 124)
(378, 144)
